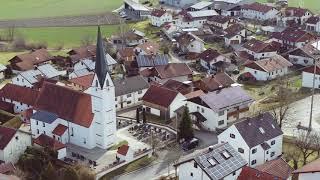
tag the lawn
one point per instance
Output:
(20, 9)
(67, 37)
(309, 4)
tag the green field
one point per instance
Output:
(309, 4)
(20, 9)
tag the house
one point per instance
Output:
(313, 24)
(178, 3)
(291, 38)
(257, 139)
(27, 61)
(129, 91)
(258, 11)
(150, 61)
(135, 11)
(268, 69)
(86, 66)
(220, 21)
(259, 49)
(126, 54)
(249, 173)
(234, 34)
(210, 60)
(296, 15)
(218, 108)
(214, 82)
(200, 6)
(2, 71)
(303, 56)
(193, 19)
(183, 87)
(32, 77)
(85, 119)
(81, 83)
(309, 171)
(13, 144)
(188, 42)
(219, 161)
(163, 102)
(83, 52)
(22, 97)
(147, 48)
(159, 17)
(125, 153)
(276, 167)
(227, 8)
(176, 71)
(308, 75)
(45, 141)
(130, 38)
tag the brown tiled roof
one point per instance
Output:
(19, 93)
(123, 150)
(149, 48)
(270, 64)
(248, 173)
(160, 96)
(233, 30)
(305, 51)
(277, 167)
(311, 69)
(27, 61)
(59, 130)
(312, 167)
(293, 35)
(244, 55)
(68, 104)
(173, 70)
(158, 12)
(46, 141)
(185, 39)
(257, 7)
(209, 55)
(219, 19)
(212, 83)
(127, 52)
(6, 134)
(178, 86)
(295, 11)
(313, 20)
(6, 106)
(194, 94)
(83, 81)
(258, 46)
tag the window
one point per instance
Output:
(72, 131)
(202, 110)
(195, 165)
(128, 102)
(255, 72)
(140, 92)
(38, 131)
(220, 122)
(115, 99)
(17, 79)
(43, 124)
(234, 173)
(305, 61)
(44, 132)
(17, 138)
(191, 174)
(37, 122)
(254, 150)
(221, 113)
(97, 84)
(84, 141)
(232, 136)
(240, 150)
(128, 95)
(272, 154)
(273, 142)
(139, 99)
(253, 162)
(267, 152)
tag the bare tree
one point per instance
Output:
(10, 35)
(307, 144)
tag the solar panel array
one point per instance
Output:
(151, 61)
(224, 165)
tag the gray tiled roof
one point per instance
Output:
(130, 85)
(45, 116)
(250, 129)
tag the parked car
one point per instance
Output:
(188, 145)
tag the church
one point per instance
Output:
(86, 119)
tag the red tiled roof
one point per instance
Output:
(172, 70)
(258, 46)
(46, 141)
(6, 106)
(310, 69)
(270, 64)
(194, 94)
(312, 167)
(313, 20)
(6, 168)
(209, 55)
(123, 150)
(158, 12)
(59, 130)
(127, 52)
(277, 167)
(257, 7)
(160, 96)
(26, 61)
(84, 81)
(293, 35)
(295, 11)
(248, 173)
(177, 86)
(19, 93)
(149, 48)
(68, 104)
(6, 134)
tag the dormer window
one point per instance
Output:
(107, 82)
(97, 83)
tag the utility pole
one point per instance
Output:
(313, 86)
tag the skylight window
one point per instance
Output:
(273, 126)
(212, 162)
(261, 130)
(225, 154)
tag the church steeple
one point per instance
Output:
(101, 67)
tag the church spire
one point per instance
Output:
(101, 67)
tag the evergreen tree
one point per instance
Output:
(185, 127)
(144, 118)
(138, 115)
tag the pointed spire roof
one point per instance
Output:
(101, 68)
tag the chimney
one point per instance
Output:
(210, 148)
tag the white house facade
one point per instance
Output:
(307, 77)
(259, 12)
(159, 17)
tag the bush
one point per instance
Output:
(19, 43)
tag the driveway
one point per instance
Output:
(206, 138)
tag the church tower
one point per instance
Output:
(102, 93)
